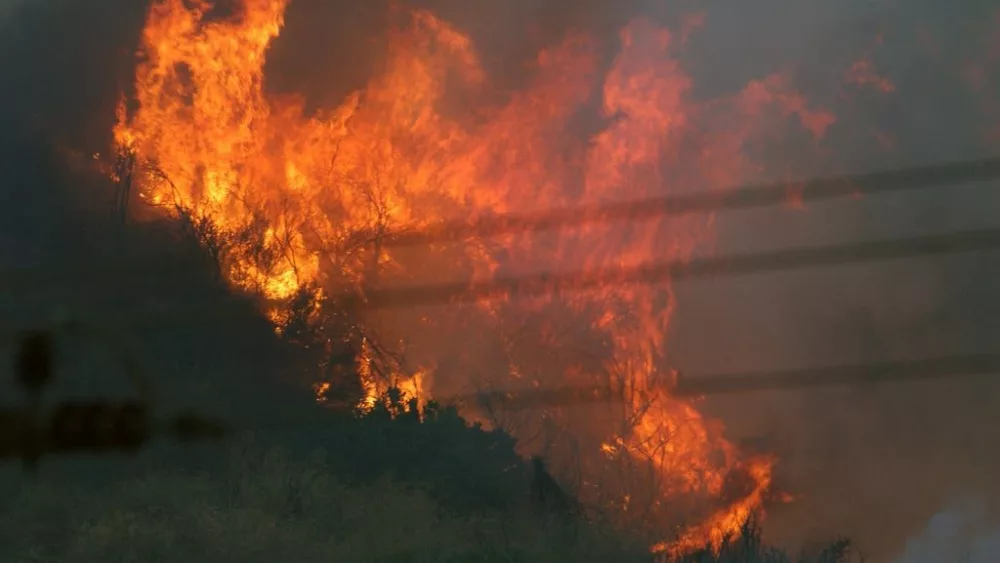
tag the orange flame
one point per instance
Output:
(398, 154)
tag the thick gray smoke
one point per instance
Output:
(956, 534)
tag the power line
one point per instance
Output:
(856, 375)
(859, 374)
(779, 260)
(850, 375)
(650, 273)
(746, 197)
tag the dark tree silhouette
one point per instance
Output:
(547, 495)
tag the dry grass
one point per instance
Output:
(272, 508)
(275, 509)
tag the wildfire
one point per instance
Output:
(304, 198)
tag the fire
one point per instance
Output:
(411, 386)
(304, 199)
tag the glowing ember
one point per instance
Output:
(304, 199)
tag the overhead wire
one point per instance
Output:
(949, 174)
(848, 375)
(526, 286)
(678, 270)
(862, 375)
(941, 175)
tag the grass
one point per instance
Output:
(272, 509)
(269, 507)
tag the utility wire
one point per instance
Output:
(857, 375)
(544, 284)
(849, 375)
(81, 425)
(952, 174)
(656, 272)
(747, 197)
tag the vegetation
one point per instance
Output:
(268, 504)
(388, 487)
(271, 508)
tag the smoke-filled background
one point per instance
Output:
(909, 83)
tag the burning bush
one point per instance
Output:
(296, 207)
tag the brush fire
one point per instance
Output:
(305, 197)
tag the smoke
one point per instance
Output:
(64, 64)
(874, 465)
(958, 533)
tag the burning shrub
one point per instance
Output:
(295, 201)
(746, 546)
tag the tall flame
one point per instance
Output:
(401, 154)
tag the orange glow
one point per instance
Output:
(397, 155)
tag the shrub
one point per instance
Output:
(270, 508)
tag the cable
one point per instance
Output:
(974, 365)
(747, 197)
(858, 375)
(740, 264)
(541, 284)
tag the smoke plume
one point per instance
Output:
(957, 533)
